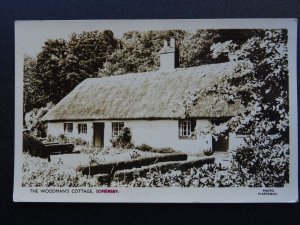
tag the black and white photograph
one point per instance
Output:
(156, 111)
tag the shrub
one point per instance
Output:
(123, 139)
(208, 152)
(201, 173)
(51, 138)
(148, 148)
(135, 155)
(63, 139)
(135, 163)
(162, 168)
(261, 167)
(38, 172)
(34, 123)
(144, 147)
(164, 150)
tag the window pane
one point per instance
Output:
(185, 128)
(117, 127)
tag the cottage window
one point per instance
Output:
(186, 127)
(116, 128)
(68, 127)
(82, 128)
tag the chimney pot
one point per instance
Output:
(169, 56)
(165, 43)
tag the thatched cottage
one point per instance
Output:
(149, 104)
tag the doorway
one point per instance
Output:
(221, 143)
(98, 134)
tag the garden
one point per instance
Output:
(123, 164)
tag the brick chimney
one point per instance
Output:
(169, 56)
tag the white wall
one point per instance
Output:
(156, 133)
(164, 133)
(57, 128)
(167, 62)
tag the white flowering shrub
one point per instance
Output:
(39, 172)
(34, 123)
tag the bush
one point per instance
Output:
(200, 173)
(51, 138)
(34, 123)
(63, 139)
(148, 148)
(144, 147)
(123, 139)
(135, 155)
(208, 152)
(164, 150)
(33, 146)
(261, 167)
(163, 168)
(38, 172)
(110, 168)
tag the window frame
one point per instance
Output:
(116, 128)
(186, 128)
(66, 128)
(81, 128)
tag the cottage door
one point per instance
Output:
(221, 144)
(98, 134)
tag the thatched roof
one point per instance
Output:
(146, 95)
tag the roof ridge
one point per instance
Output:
(156, 72)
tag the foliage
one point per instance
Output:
(38, 172)
(33, 146)
(208, 152)
(112, 166)
(123, 139)
(31, 85)
(63, 139)
(34, 123)
(61, 65)
(139, 52)
(257, 167)
(261, 84)
(208, 175)
(144, 147)
(148, 148)
(135, 155)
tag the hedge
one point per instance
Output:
(129, 175)
(34, 146)
(110, 168)
(59, 148)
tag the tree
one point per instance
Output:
(261, 83)
(139, 52)
(50, 70)
(34, 123)
(61, 65)
(195, 50)
(31, 99)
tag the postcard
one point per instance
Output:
(156, 111)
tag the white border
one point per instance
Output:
(289, 193)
